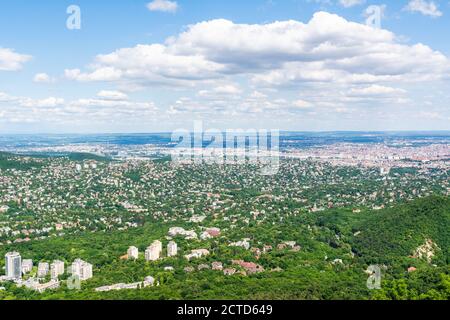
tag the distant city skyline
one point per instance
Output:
(146, 66)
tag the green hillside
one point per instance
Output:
(10, 161)
(393, 234)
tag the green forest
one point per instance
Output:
(388, 238)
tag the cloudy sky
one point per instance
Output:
(156, 66)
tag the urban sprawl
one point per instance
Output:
(200, 205)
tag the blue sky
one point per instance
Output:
(148, 66)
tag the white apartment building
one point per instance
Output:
(82, 269)
(56, 269)
(27, 266)
(158, 244)
(133, 253)
(43, 269)
(13, 265)
(172, 249)
(153, 252)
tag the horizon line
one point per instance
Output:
(170, 132)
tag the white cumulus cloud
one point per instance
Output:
(428, 8)
(163, 5)
(42, 78)
(351, 3)
(326, 49)
(11, 60)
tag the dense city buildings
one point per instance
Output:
(214, 222)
